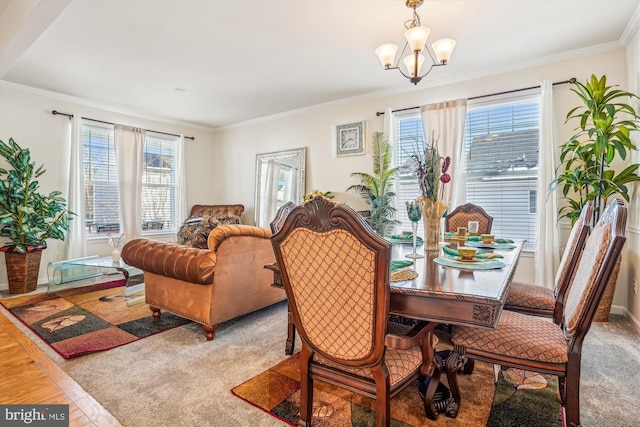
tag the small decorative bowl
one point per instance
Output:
(487, 238)
(466, 253)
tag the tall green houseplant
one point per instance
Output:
(588, 171)
(376, 189)
(27, 218)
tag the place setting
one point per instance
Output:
(469, 258)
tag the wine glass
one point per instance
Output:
(414, 211)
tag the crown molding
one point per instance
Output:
(632, 28)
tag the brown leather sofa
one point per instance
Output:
(208, 286)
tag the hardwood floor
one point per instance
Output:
(29, 376)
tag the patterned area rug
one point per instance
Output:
(88, 319)
(490, 397)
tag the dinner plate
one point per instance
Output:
(489, 264)
(474, 259)
(493, 245)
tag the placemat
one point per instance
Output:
(465, 265)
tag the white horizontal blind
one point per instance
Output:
(501, 144)
(101, 199)
(159, 182)
(408, 133)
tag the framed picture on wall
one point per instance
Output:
(350, 139)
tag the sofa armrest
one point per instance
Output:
(171, 260)
(222, 232)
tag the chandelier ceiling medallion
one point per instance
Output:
(416, 35)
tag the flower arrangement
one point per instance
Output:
(430, 168)
(116, 241)
(315, 193)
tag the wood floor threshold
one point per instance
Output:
(29, 376)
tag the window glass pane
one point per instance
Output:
(501, 163)
(100, 181)
(158, 182)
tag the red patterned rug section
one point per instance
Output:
(87, 319)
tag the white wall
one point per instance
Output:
(26, 117)
(314, 128)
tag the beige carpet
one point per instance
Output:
(178, 378)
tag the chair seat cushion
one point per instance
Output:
(400, 363)
(530, 296)
(517, 335)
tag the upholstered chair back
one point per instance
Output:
(573, 251)
(335, 271)
(599, 257)
(461, 216)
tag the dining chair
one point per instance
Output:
(539, 300)
(535, 344)
(281, 215)
(462, 214)
(335, 271)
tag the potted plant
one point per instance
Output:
(591, 158)
(588, 158)
(27, 218)
(376, 189)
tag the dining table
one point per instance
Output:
(445, 290)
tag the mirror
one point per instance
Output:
(280, 178)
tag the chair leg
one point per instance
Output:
(467, 369)
(209, 331)
(383, 405)
(572, 395)
(306, 388)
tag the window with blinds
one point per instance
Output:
(500, 164)
(101, 197)
(408, 133)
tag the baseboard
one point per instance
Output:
(635, 322)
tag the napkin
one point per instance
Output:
(503, 241)
(396, 265)
(404, 237)
(481, 255)
(474, 238)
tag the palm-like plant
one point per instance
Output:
(376, 189)
(587, 170)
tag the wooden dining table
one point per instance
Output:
(446, 295)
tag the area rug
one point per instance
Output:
(491, 396)
(87, 319)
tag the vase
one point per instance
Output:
(115, 255)
(431, 215)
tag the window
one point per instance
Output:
(101, 198)
(408, 132)
(499, 165)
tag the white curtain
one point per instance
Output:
(76, 242)
(445, 122)
(547, 257)
(269, 191)
(181, 188)
(129, 146)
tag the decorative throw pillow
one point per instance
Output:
(196, 229)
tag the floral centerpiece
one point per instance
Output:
(327, 195)
(116, 242)
(430, 168)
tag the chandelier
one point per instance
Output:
(416, 35)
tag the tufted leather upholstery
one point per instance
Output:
(217, 209)
(543, 301)
(208, 286)
(535, 344)
(461, 216)
(336, 271)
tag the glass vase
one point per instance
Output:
(431, 215)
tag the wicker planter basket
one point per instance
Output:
(22, 271)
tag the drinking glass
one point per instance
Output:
(473, 228)
(414, 211)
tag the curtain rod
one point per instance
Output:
(571, 80)
(58, 113)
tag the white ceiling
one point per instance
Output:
(240, 60)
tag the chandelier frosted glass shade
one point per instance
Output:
(417, 37)
(443, 49)
(410, 61)
(387, 53)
